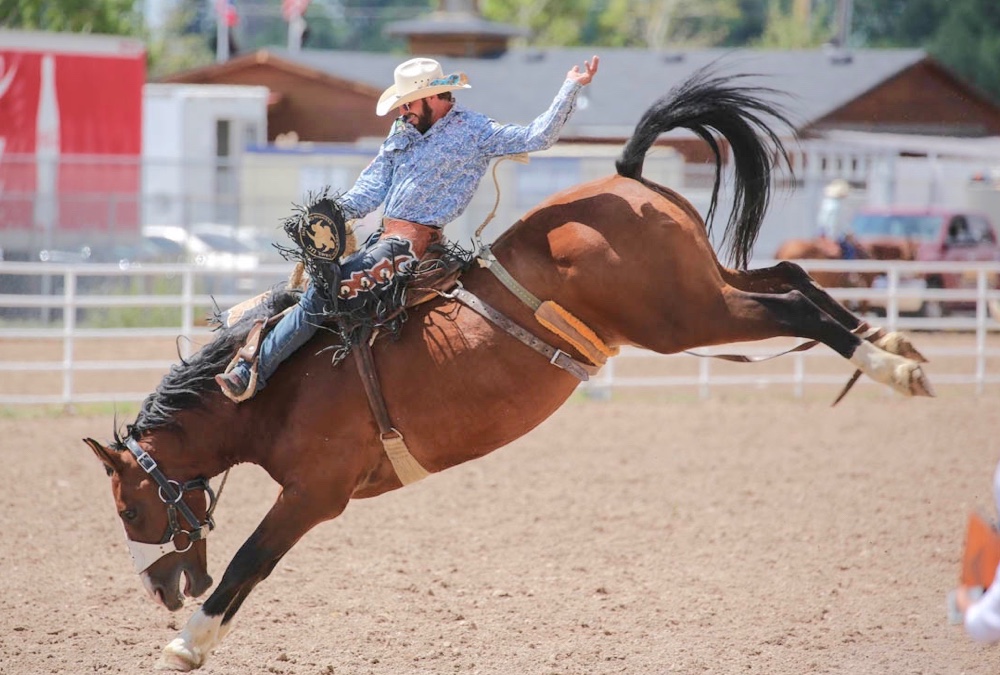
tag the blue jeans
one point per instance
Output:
(848, 249)
(294, 330)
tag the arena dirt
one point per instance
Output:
(749, 533)
(752, 532)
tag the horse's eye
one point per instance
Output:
(128, 514)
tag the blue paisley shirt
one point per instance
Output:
(430, 178)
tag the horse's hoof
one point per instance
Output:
(896, 343)
(912, 381)
(178, 658)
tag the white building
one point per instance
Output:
(193, 140)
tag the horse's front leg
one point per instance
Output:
(291, 517)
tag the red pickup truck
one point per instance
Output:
(898, 233)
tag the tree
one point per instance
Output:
(550, 22)
(182, 45)
(963, 35)
(897, 23)
(968, 42)
(110, 17)
(618, 23)
(748, 25)
(798, 25)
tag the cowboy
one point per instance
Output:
(424, 175)
(830, 220)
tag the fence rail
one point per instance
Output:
(62, 316)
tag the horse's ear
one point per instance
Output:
(109, 459)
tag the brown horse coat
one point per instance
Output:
(630, 259)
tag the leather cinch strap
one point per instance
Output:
(406, 466)
(556, 357)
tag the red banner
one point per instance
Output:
(70, 127)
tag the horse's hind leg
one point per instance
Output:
(786, 276)
(763, 315)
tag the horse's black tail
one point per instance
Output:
(708, 102)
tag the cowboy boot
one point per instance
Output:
(234, 384)
(293, 331)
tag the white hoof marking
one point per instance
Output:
(191, 647)
(889, 369)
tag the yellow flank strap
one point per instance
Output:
(574, 331)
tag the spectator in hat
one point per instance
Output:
(830, 221)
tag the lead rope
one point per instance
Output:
(218, 495)
(520, 158)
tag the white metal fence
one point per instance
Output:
(69, 305)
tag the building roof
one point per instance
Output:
(516, 86)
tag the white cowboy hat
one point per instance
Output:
(837, 189)
(416, 79)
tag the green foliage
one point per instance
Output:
(968, 42)
(180, 46)
(136, 317)
(784, 30)
(659, 24)
(963, 35)
(347, 24)
(896, 23)
(110, 17)
(748, 24)
(550, 22)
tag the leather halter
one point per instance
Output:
(171, 493)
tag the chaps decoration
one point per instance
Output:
(397, 251)
(322, 237)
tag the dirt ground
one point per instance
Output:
(653, 533)
(750, 533)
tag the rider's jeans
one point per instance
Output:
(293, 331)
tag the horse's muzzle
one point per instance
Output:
(165, 589)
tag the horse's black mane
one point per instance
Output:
(186, 382)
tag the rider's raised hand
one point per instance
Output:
(585, 76)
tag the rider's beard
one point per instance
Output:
(421, 121)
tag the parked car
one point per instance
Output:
(214, 247)
(262, 242)
(901, 233)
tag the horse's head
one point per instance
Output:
(166, 520)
